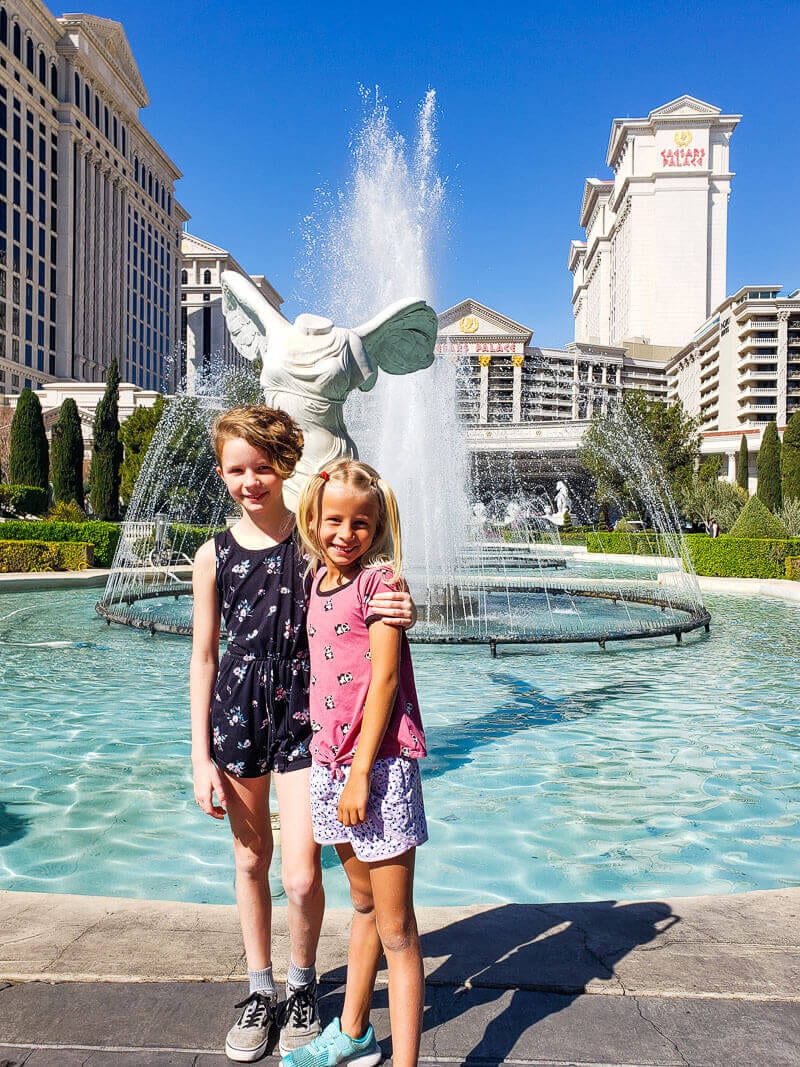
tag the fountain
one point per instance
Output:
(479, 577)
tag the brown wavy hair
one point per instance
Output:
(270, 430)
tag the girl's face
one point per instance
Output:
(250, 479)
(347, 526)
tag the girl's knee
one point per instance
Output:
(253, 862)
(397, 932)
(303, 884)
(361, 900)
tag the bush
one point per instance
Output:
(189, 538)
(28, 454)
(106, 450)
(768, 465)
(756, 520)
(66, 455)
(743, 465)
(626, 544)
(102, 536)
(66, 512)
(740, 557)
(790, 460)
(793, 568)
(24, 499)
(790, 516)
(27, 556)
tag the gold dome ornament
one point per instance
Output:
(683, 138)
(469, 324)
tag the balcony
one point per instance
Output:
(757, 324)
(749, 358)
(756, 391)
(754, 341)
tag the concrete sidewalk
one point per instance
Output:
(702, 981)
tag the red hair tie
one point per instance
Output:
(324, 475)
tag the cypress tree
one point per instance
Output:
(768, 464)
(790, 459)
(106, 451)
(742, 465)
(28, 461)
(66, 456)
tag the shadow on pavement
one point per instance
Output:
(553, 948)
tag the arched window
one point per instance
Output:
(3, 26)
(42, 69)
(54, 79)
(114, 131)
(87, 101)
(150, 184)
(29, 54)
(16, 37)
(184, 277)
(135, 166)
(105, 120)
(124, 141)
(156, 191)
(169, 203)
(97, 111)
(77, 88)
(206, 277)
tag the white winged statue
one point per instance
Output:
(310, 366)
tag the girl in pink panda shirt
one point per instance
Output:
(366, 797)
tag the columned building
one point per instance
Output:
(741, 370)
(653, 263)
(203, 330)
(89, 223)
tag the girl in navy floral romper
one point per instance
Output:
(250, 716)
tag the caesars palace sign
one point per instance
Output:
(469, 324)
(683, 155)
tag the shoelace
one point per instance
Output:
(257, 1009)
(299, 1007)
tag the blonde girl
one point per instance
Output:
(367, 738)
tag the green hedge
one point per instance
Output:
(189, 538)
(27, 499)
(793, 568)
(27, 556)
(741, 557)
(627, 544)
(103, 536)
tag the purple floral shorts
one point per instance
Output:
(395, 819)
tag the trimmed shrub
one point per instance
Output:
(28, 462)
(24, 499)
(756, 520)
(102, 536)
(743, 465)
(27, 556)
(621, 543)
(768, 464)
(106, 451)
(793, 568)
(189, 538)
(66, 455)
(790, 460)
(740, 557)
(69, 512)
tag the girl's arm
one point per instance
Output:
(202, 675)
(384, 647)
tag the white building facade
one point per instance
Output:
(741, 370)
(203, 330)
(89, 223)
(653, 263)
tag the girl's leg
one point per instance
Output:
(364, 952)
(301, 869)
(393, 891)
(248, 811)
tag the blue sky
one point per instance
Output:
(256, 103)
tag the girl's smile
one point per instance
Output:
(250, 479)
(347, 524)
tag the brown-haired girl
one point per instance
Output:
(250, 714)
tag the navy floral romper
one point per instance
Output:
(259, 710)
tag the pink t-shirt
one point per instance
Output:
(338, 638)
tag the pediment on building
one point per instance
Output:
(684, 106)
(593, 189)
(196, 246)
(470, 319)
(110, 40)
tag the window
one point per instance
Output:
(16, 38)
(3, 26)
(54, 79)
(184, 277)
(206, 277)
(29, 54)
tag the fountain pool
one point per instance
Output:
(562, 773)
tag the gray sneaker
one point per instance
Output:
(248, 1037)
(300, 1020)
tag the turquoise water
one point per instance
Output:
(567, 774)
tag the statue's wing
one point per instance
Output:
(250, 318)
(402, 337)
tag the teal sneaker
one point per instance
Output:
(333, 1047)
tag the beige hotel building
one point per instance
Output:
(90, 227)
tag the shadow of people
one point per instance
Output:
(12, 826)
(530, 948)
